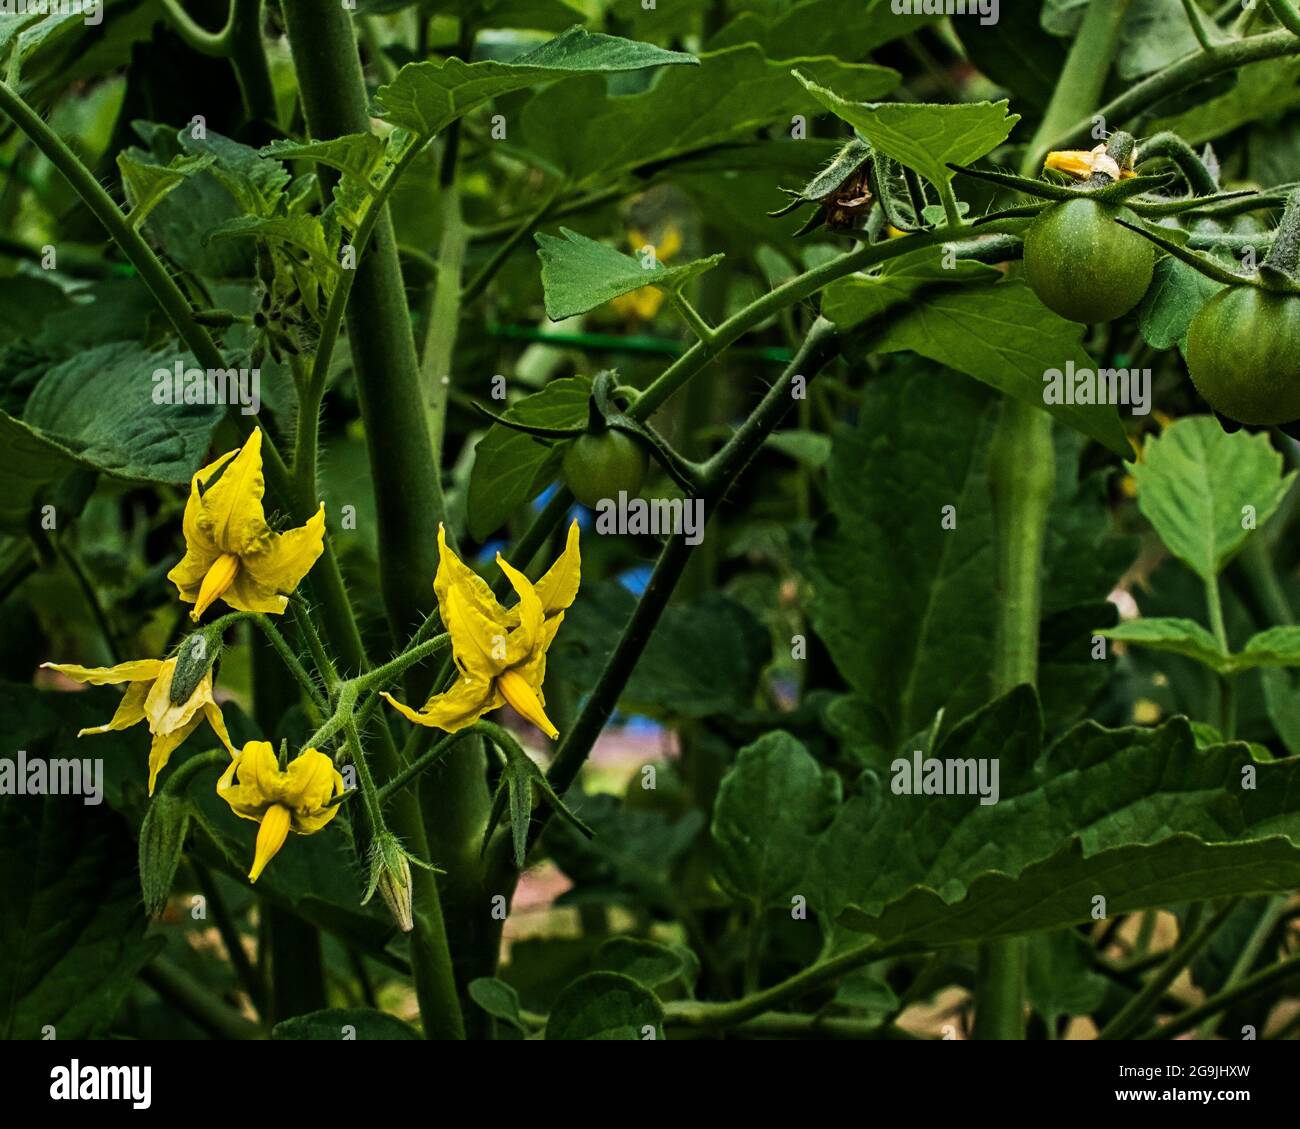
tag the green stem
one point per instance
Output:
(408, 502)
(1275, 909)
(691, 1013)
(1252, 986)
(502, 254)
(248, 56)
(177, 988)
(1188, 71)
(425, 761)
(393, 669)
(213, 43)
(1133, 1014)
(319, 656)
(290, 660)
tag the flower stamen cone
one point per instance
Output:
(216, 583)
(270, 838)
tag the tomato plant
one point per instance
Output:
(751, 519)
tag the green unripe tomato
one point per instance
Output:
(1243, 351)
(599, 466)
(1083, 265)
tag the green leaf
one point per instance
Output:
(105, 406)
(256, 183)
(704, 658)
(1061, 977)
(72, 931)
(301, 231)
(32, 467)
(861, 297)
(631, 858)
(1262, 90)
(924, 137)
(498, 999)
(771, 808)
(1275, 646)
(1205, 490)
(592, 136)
(510, 467)
(1005, 337)
(1141, 817)
(1178, 636)
(1175, 296)
(811, 448)
(147, 184)
(649, 963)
(579, 274)
(427, 97)
(605, 1005)
(344, 1024)
(849, 29)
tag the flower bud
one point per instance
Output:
(193, 661)
(390, 874)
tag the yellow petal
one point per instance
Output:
(130, 710)
(525, 638)
(279, 567)
(188, 575)
(142, 670)
(1076, 162)
(559, 587)
(479, 645)
(270, 838)
(215, 584)
(229, 515)
(463, 704)
(453, 572)
(526, 701)
(212, 712)
(251, 783)
(199, 541)
(310, 782)
(669, 244)
(163, 745)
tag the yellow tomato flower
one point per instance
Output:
(148, 698)
(296, 798)
(1082, 163)
(231, 553)
(501, 655)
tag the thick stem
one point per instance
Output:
(401, 459)
(379, 328)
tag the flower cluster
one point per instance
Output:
(234, 556)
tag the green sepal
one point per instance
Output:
(163, 832)
(519, 775)
(1155, 208)
(194, 659)
(1203, 263)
